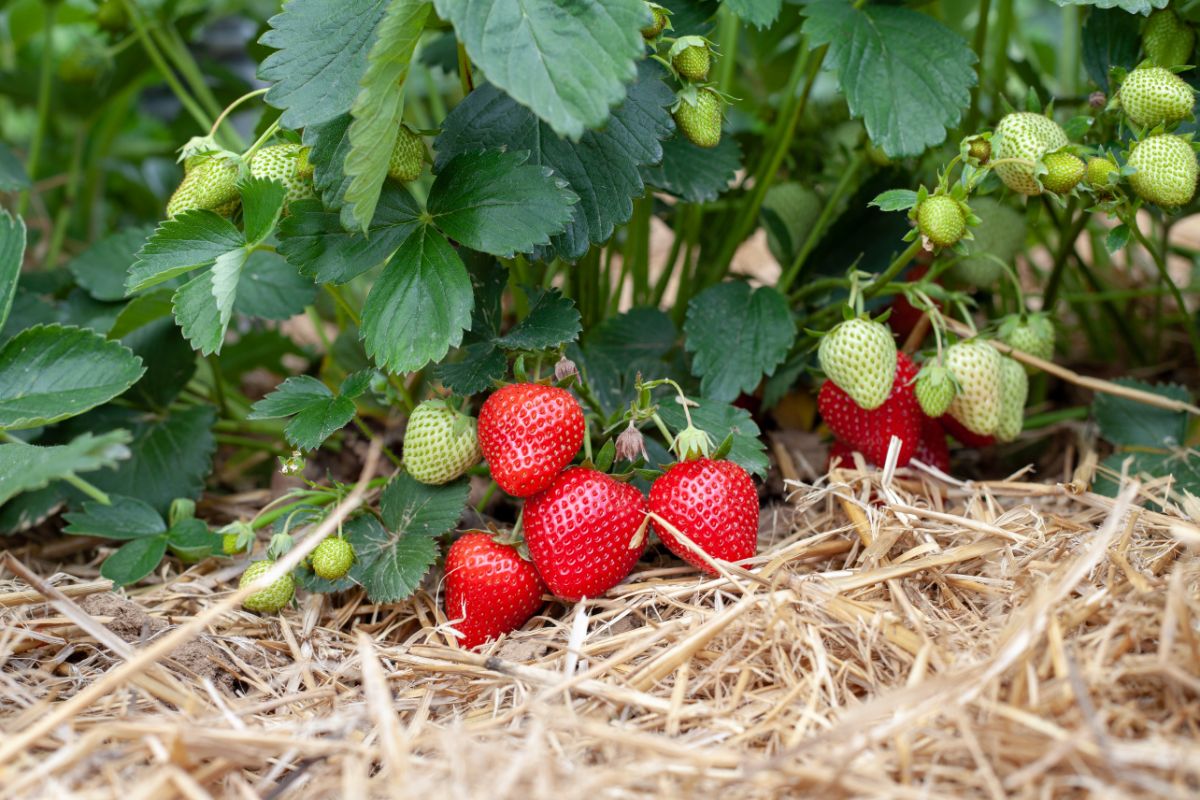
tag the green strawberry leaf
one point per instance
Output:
(497, 203)
(481, 365)
(125, 518)
(379, 107)
(1117, 238)
(263, 348)
(26, 511)
(389, 566)
(12, 252)
(759, 13)
(270, 288)
(720, 420)
(420, 305)
(316, 411)
(552, 320)
(695, 174)
(567, 61)
(322, 48)
(885, 57)
(1182, 466)
(103, 267)
(141, 311)
(12, 172)
(314, 241)
(170, 363)
(192, 240)
(330, 144)
(195, 307)
(737, 336)
(1128, 423)
(1142, 7)
(225, 274)
(26, 467)
(134, 560)
(262, 203)
(49, 373)
(170, 456)
(191, 540)
(603, 167)
(615, 351)
(895, 200)
(416, 509)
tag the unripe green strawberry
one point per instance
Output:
(281, 162)
(229, 544)
(935, 389)
(692, 62)
(941, 220)
(1029, 333)
(700, 122)
(1027, 137)
(1014, 388)
(1064, 171)
(1166, 170)
(658, 22)
(1098, 171)
(999, 236)
(859, 356)
(408, 156)
(273, 597)
(1155, 96)
(440, 444)
(332, 558)
(210, 184)
(1167, 39)
(980, 149)
(976, 367)
(112, 17)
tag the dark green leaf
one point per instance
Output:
(259, 348)
(26, 511)
(12, 252)
(12, 171)
(24, 467)
(1142, 7)
(390, 566)
(321, 55)
(103, 267)
(420, 306)
(262, 203)
(1116, 239)
(126, 518)
(191, 540)
(314, 242)
(1183, 466)
(141, 311)
(695, 174)
(736, 337)
(49, 373)
(316, 410)
(409, 507)
(602, 168)
(552, 320)
(170, 363)
(330, 143)
(271, 288)
(719, 420)
(481, 365)
(134, 560)
(379, 107)
(193, 239)
(759, 13)
(616, 350)
(886, 58)
(569, 61)
(1129, 423)
(171, 456)
(895, 200)
(497, 203)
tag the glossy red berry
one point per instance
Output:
(870, 432)
(932, 449)
(712, 503)
(528, 433)
(490, 589)
(581, 530)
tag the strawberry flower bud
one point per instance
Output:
(565, 368)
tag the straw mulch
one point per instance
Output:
(899, 636)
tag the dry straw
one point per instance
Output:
(898, 636)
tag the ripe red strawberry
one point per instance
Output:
(871, 431)
(490, 589)
(580, 532)
(964, 436)
(528, 433)
(932, 449)
(713, 503)
(840, 455)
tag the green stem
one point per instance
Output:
(1065, 246)
(266, 518)
(980, 46)
(999, 69)
(728, 28)
(796, 268)
(43, 106)
(1160, 261)
(189, 103)
(229, 110)
(466, 79)
(248, 443)
(218, 385)
(177, 52)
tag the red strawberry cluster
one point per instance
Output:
(584, 529)
(871, 432)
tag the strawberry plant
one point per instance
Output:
(562, 263)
